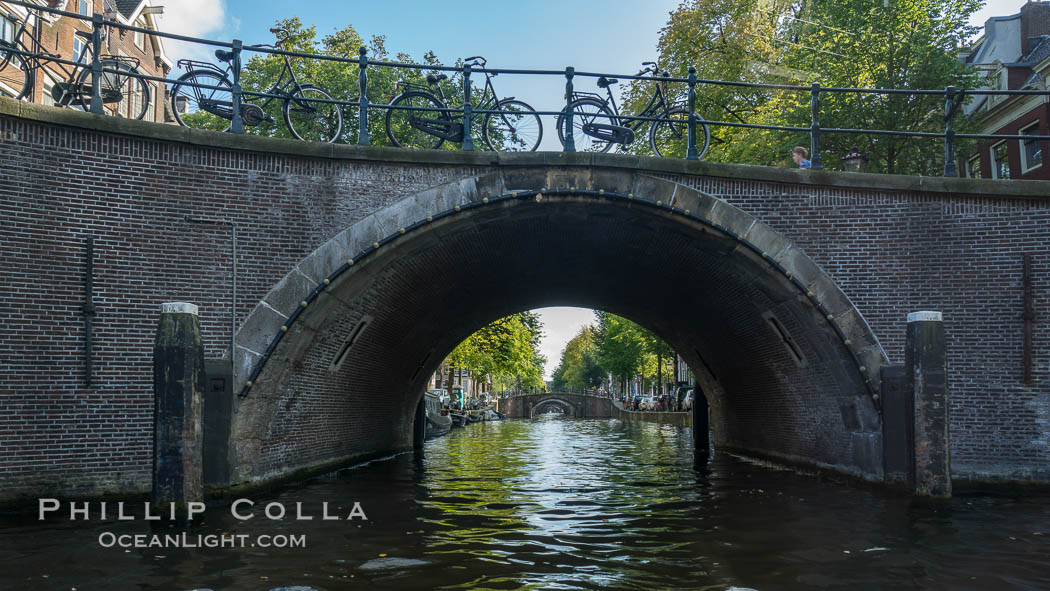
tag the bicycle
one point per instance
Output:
(120, 87)
(202, 98)
(428, 124)
(597, 123)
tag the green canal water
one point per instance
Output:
(559, 503)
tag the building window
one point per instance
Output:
(140, 38)
(151, 114)
(973, 167)
(49, 85)
(1031, 150)
(84, 8)
(78, 47)
(997, 81)
(8, 26)
(1000, 161)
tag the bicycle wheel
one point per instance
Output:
(517, 129)
(399, 121)
(584, 111)
(670, 139)
(311, 120)
(16, 79)
(123, 92)
(203, 108)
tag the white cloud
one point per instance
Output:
(206, 19)
(195, 18)
(559, 326)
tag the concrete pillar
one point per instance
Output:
(701, 426)
(926, 375)
(178, 382)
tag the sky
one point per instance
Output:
(598, 35)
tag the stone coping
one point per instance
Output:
(1012, 189)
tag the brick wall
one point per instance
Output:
(896, 252)
(891, 251)
(1035, 21)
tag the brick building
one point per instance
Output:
(57, 35)
(1013, 54)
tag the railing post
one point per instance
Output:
(96, 64)
(691, 152)
(950, 167)
(237, 123)
(570, 141)
(468, 142)
(814, 128)
(362, 134)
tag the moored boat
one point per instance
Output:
(437, 423)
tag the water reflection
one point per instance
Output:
(559, 503)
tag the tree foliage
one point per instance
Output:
(507, 350)
(341, 79)
(626, 349)
(579, 366)
(902, 44)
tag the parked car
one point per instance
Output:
(687, 400)
(647, 403)
(663, 402)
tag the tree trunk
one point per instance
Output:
(660, 373)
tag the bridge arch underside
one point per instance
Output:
(781, 380)
(546, 405)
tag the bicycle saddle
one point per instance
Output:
(604, 82)
(433, 79)
(224, 56)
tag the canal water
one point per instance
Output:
(560, 503)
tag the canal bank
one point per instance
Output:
(681, 419)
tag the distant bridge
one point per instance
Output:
(581, 406)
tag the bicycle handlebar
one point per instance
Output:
(476, 58)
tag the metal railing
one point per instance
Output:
(953, 97)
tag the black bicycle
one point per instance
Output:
(597, 123)
(202, 98)
(426, 122)
(121, 89)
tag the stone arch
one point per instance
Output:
(751, 286)
(567, 407)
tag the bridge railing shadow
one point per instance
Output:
(689, 132)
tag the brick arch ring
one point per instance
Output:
(260, 335)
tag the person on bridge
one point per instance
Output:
(799, 154)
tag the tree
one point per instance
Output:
(656, 348)
(505, 350)
(620, 346)
(626, 349)
(341, 79)
(903, 44)
(579, 366)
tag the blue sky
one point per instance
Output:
(609, 35)
(598, 35)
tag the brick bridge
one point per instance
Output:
(580, 406)
(358, 269)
